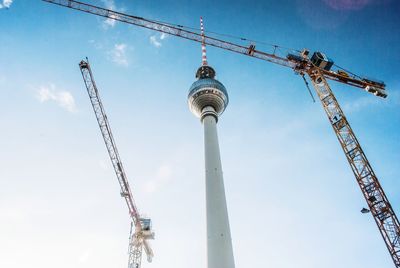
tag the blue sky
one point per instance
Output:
(292, 198)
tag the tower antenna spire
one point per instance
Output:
(203, 44)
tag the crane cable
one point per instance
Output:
(308, 88)
(274, 46)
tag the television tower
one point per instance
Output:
(208, 99)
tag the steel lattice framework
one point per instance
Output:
(136, 239)
(375, 197)
(377, 201)
(108, 139)
(178, 30)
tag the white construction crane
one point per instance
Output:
(141, 230)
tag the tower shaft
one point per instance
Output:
(219, 242)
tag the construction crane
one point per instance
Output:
(318, 69)
(140, 227)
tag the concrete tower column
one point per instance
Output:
(219, 242)
(207, 100)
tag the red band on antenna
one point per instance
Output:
(203, 44)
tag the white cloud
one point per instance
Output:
(156, 40)
(347, 4)
(394, 97)
(162, 176)
(85, 255)
(110, 4)
(6, 4)
(163, 36)
(96, 45)
(110, 22)
(366, 102)
(361, 103)
(118, 54)
(104, 165)
(64, 99)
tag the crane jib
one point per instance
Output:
(109, 140)
(193, 36)
(139, 238)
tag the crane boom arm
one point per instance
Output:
(170, 29)
(197, 37)
(109, 140)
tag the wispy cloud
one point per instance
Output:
(2, 79)
(64, 99)
(394, 98)
(155, 40)
(110, 22)
(6, 3)
(361, 103)
(347, 4)
(162, 176)
(118, 54)
(369, 101)
(95, 44)
(320, 15)
(104, 165)
(85, 256)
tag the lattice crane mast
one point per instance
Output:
(140, 227)
(318, 68)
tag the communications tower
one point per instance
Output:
(208, 99)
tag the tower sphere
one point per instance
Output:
(207, 91)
